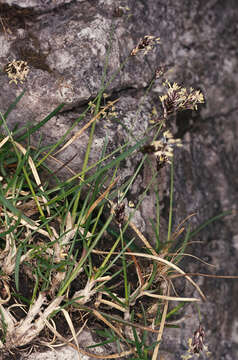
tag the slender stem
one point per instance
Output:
(171, 201)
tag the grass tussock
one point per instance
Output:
(66, 261)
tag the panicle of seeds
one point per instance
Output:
(17, 70)
(119, 212)
(153, 116)
(179, 98)
(109, 113)
(196, 345)
(163, 149)
(146, 44)
(159, 71)
(120, 11)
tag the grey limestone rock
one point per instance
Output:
(66, 44)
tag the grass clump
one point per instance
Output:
(66, 260)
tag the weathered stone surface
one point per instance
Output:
(38, 5)
(66, 44)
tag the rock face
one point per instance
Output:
(66, 45)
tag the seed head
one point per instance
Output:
(17, 71)
(146, 44)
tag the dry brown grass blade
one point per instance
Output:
(175, 235)
(169, 298)
(161, 329)
(35, 174)
(72, 329)
(173, 266)
(32, 227)
(178, 231)
(138, 269)
(112, 305)
(109, 324)
(6, 29)
(120, 320)
(143, 239)
(205, 275)
(4, 141)
(90, 355)
(101, 197)
(192, 256)
(62, 165)
(163, 261)
(50, 343)
(80, 132)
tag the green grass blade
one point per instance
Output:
(74, 273)
(11, 228)
(15, 211)
(171, 202)
(40, 124)
(210, 221)
(13, 105)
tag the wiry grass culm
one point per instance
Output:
(65, 258)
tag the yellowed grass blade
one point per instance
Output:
(35, 174)
(194, 257)
(113, 305)
(142, 237)
(176, 232)
(32, 227)
(101, 197)
(169, 298)
(80, 132)
(161, 329)
(163, 261)
(108, 323)
(90, 355)
(72, 329)
(173, 266)
(4, 141)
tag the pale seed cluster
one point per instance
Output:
(196, 345)
(109, 113)
(17, 71)
(164, 148)
(146, 44)
(179, 98)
